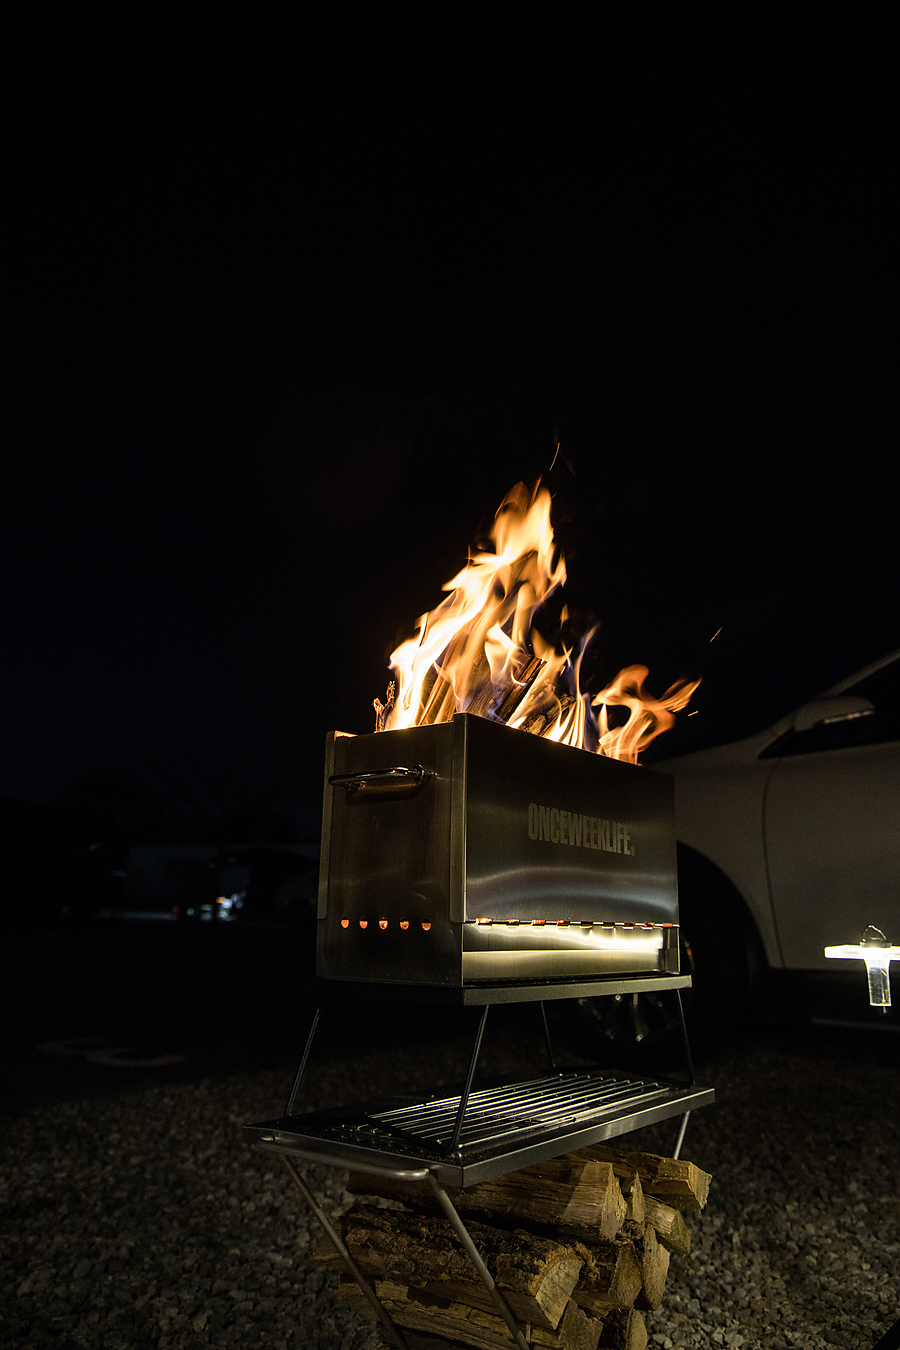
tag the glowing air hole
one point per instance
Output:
(426, 926)
(404, 923)
(364, 923)
(382, 923)
(345, 923)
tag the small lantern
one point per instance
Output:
(878, 954)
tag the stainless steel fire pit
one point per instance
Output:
(467, 852)
(468, 864)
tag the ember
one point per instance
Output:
(480, 652)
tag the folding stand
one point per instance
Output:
(476, 1135)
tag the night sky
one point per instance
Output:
(293, 311)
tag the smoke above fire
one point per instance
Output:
(480, 651)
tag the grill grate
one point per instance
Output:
(495, 1114)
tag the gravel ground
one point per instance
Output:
(142, 1219)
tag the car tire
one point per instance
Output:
(642, 1030)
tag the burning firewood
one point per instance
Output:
(480, 650)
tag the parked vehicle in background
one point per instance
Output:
(788, 842)
(202, 883)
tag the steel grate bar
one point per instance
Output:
(525, 1093)
(499, 1113)
(540, 1101)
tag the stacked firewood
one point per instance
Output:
(578, 1245)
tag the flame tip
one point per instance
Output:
(479, 650)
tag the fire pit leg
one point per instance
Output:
(464, 1095)
(686, 1045)
(547, 1036)
(474, 1256)
(681, 1133)
(393, 1331)
(302, 1068)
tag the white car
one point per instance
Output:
(788, 842)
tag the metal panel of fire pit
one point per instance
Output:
(506, 1127)
(496, 855)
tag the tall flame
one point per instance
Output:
(479, 651)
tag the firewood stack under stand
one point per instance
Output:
(579, 1246)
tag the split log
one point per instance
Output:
(611, 1276)
(537, 1275)
(633, 1195)
(673, 1180)
(420, 1340)
(671, 1228)
(654, 1269)
(623, 1331)
(576, 1196)
(455, 1321)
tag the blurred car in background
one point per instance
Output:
(788, 842)
(203, 883)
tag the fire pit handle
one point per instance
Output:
(396, 779)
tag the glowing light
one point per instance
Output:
(875, 950)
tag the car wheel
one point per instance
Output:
(639, 1030)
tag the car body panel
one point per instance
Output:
(719, 814)
(832, 836)
(810, 841)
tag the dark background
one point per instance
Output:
(294, 308)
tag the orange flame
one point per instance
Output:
(479, 651)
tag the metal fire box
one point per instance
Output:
(467, 851)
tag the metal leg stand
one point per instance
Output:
(387, 1322)
(340, 1247)
(464, 1095)
(553, 1064)
(685, 1042)
(302, 1066)
(681, 1133)
(474, 1255)
(686, 1045)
